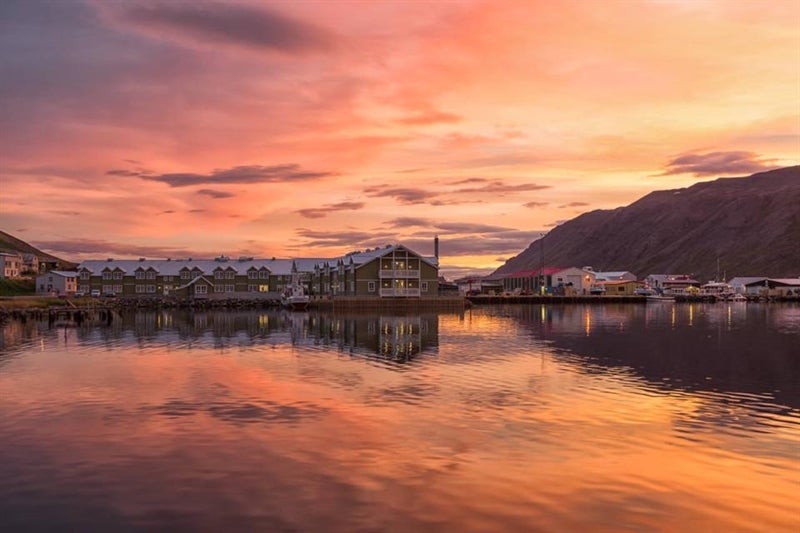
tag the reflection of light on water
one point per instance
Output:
(691, 314)
(263, 321)
(543, 313)
(587, 322)
(729, 317)
(673, 319)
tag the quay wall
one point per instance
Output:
(551, 299)
(355, 303)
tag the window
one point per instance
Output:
(108, 289)
(219, 288)
(253, 274)
(252, 288)
(85, 288)
(371, 286)
(186, 274)
(151, 275)
(139, 289)
(263, 274)
(151, 288)
(230, 288)
(139, 274)
(117, 275)
(168, 278)
(219, 274)
(230, 274)
(263, 288)
(106, 275)
(85, 275)
(117, 289)
(424, 286)
(200, 289)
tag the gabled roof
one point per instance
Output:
(62, 273)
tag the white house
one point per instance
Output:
(580, 280)
(57, 282)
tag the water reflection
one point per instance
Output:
(550, 418)
(396, 338)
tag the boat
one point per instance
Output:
(295, 296)
(660, 298)
(739, 297)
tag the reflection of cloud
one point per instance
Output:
(216, 194)
(321, 212)
(715, 163)
(207, 23)
(242, 174)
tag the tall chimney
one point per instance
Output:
(436, 246)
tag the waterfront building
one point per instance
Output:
(390, 272)
(574, 280)
(57, 282)
(622, 275)
(10, 265)
(619, 287)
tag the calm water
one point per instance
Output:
(604, 418)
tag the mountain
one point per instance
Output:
(750, 224)
(9, 243)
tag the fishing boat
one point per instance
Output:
(295, 296)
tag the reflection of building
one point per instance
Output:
(393, 337)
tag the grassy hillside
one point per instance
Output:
(9, 243)
(17, 287)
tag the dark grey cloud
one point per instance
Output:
(469, 180)
(407, 222)
(321, 212)
(573, 204)
(500, 243)
(716, 163)
(349, 238)
(216, 194)
(446, 227)
(105, 248)
(260, 28)
(247, 174)
(65, 213)
(533, 205)
(167, 212)
(197, 210)
(405, 195)
(498, 187)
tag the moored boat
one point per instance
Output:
(295, 297)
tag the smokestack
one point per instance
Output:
(436, 246)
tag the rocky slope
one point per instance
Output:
(751, 224)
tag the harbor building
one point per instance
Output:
(394, 271)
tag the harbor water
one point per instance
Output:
(618, 417)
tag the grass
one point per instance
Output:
(17, 287)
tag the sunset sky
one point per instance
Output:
(182, 128)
